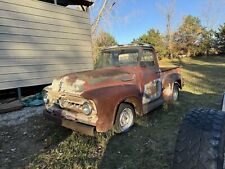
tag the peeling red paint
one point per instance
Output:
(106, 88)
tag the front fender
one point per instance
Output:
(107, 101)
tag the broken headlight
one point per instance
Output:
(45, 97)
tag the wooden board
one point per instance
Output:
(9, 107)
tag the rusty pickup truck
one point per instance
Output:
(126, 82)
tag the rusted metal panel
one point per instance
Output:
(105, 88)
(170, 76)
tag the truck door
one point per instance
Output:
(152, 85)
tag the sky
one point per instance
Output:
(130, 19)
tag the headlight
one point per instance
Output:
(45, 97)
(86, 108)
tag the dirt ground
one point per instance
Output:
(23, 135)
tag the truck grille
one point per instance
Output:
(67, 104)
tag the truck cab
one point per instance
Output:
(126, 82)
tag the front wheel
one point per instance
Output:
(124, 118)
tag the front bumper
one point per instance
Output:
(57, 117)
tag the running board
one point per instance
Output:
(153, 105)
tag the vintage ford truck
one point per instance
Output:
(126, 82)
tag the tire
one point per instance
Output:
(124, 118)
(223, 103)
(176, 92)
(200, 142)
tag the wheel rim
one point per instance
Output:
(126, 119)
(175, 93)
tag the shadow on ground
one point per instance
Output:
(150, 143)
(40, 143)
(20, 143)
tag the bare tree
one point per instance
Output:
(105, 8)
(168, 11)
(211, 11)
(169, 17)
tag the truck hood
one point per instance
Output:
(77, 83)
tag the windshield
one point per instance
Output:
(118, 58)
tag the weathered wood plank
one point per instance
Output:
(42, 33)
(23, 83)
(46, 40)
(36, 46)
(45, 68)
(41, 26)
(28, 62)
(12, 106)
(40, 19)
(42, 54)
(35, 75)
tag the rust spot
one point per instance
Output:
(104, 89)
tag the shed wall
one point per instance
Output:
(39, 41)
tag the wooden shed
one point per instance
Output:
(40, 40)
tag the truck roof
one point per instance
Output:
(126, 46)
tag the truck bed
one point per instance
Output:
(165, 71)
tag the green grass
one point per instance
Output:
(150, 143)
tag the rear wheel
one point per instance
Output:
(223, 103)
(201, 140)
(175, 95)
(124, 118)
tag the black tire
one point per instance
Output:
(200, 142)
(118, 128)
(176, 92)
(222, 104)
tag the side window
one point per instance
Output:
(148, 58)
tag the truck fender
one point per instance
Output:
(107, 101)
(168, 84)
(172, 78)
